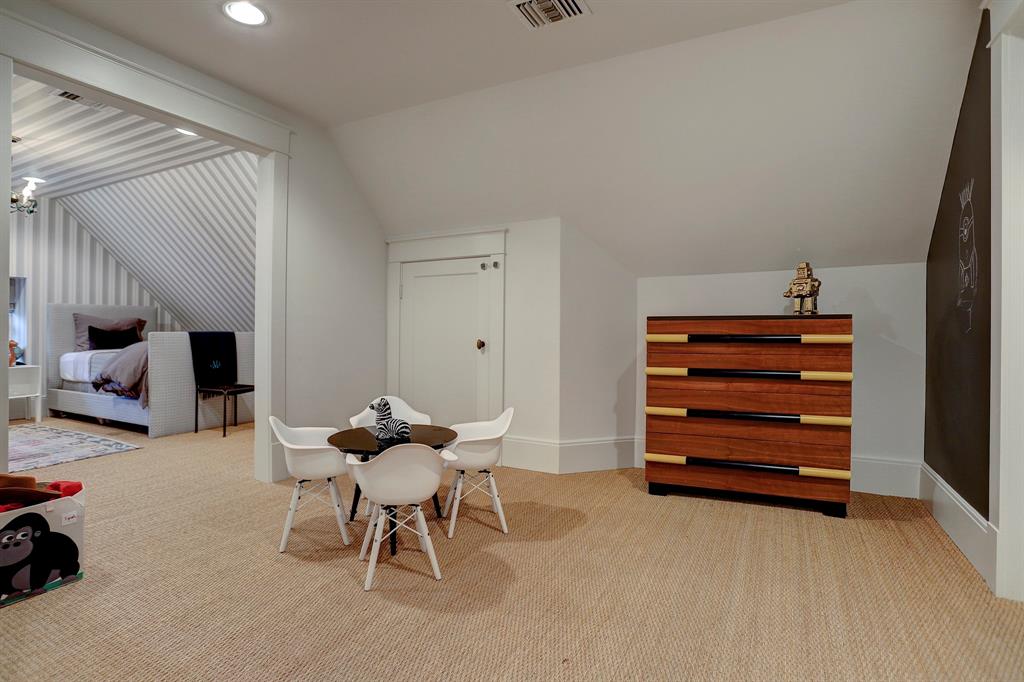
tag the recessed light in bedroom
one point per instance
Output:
(244, 12)
(185, 132)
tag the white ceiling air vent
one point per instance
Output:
(77, 99)
(538, 13)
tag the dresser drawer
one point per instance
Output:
(746, 450)
(758, 395)
(750, 430)
(746, 356)
(788, 485)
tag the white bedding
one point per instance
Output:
(84, 365)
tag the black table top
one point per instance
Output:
(362, 441)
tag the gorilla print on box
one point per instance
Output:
(33, 556)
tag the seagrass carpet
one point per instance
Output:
(597, 580)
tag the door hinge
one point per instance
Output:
(401, 291)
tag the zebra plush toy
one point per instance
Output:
(389, 428)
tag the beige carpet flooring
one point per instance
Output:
(597, 580)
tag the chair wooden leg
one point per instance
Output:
(450, 496)
(421, 525)
(338, 504)
(382, 520)
(496, 503)
(369, 532)
(420, 534)
(455, 505)
(296, 496)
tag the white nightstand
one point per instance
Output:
(26, 381)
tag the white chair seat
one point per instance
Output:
(476, 450)
(402, 476)
(311, 459)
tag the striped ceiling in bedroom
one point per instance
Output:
(188, 234)
(76, 146)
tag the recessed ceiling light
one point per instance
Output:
(244, 12)
(185, 132)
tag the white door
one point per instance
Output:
(450, 338)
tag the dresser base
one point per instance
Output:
(832, 509)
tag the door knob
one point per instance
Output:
(480, 344)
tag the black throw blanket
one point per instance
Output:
(214, 358)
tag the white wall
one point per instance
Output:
(888, 307)
(337, 264)
(598, 357)
(532, 341)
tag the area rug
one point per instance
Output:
(31, 447)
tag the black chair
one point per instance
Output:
(215, 366)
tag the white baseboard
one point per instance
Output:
(885, 476)
(567, 456)
(575, 456)
(530, 453)
(968, 529)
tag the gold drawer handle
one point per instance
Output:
(664, 459)
(802, 375)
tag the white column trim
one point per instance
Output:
(271, 313)
(1007, 455)
(6, 114)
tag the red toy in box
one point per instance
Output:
(41, 536)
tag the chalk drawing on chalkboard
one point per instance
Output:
(967, 289)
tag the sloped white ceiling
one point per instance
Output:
(74, 147)
(340, 61)
(822, 136)
(188, 234)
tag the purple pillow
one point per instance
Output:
(83, 322)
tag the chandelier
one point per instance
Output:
(22, 201)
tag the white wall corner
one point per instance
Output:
(968, 529)
(885, 476)
(533, 454)
(569, 456)
(600, 454)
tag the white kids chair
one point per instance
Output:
(399, 410)
(402, 476)
(476, 450)
(310, 458)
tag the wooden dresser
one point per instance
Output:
(751, 405)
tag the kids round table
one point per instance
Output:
(362, 442)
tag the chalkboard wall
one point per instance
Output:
(959, 303)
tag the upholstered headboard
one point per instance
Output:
(60, 329)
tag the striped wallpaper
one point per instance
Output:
(75, 147)
(63, 263)
(188, 235)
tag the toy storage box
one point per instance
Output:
(41, 547)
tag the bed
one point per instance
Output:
(171, 391)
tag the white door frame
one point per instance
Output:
(34, 50)
(480, 244)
